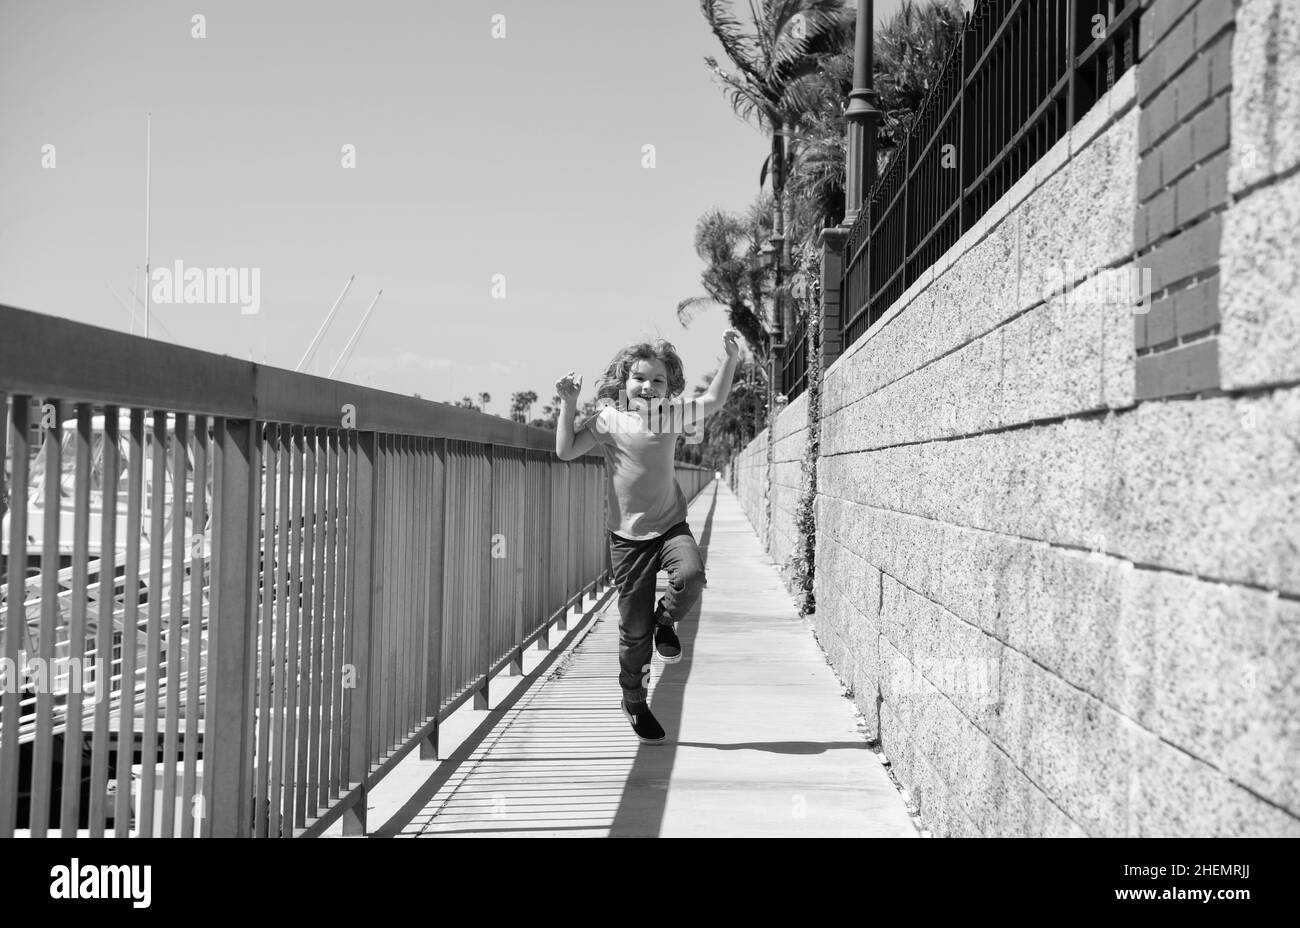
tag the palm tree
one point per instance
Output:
(776, 58)
(520, 403)
(550, 414)
(733, 275)
(728, 430)
(909, 51)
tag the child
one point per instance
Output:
(647, 511)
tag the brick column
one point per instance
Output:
(830, 319)
(1184, 81)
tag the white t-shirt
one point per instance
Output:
(645, 499)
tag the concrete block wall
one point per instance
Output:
(789, 450)
(1058, 537)
(751, 482)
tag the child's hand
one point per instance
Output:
(731, 343)
(568, 386)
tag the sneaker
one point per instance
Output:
(645, 725)
(667, 644)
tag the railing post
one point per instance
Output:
(229, 710)
(548, 580)
(566, 539)
(518, 546)
(437, 574)
(481, 696)
(356, 712)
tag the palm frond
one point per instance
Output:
(740, 47)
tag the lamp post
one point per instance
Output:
(862, 116)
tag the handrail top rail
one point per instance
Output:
(98, 365)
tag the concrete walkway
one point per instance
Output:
(761, 743)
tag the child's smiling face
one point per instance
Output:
(646, 380)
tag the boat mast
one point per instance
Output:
(147, 134)
(347, 351)
(315, 342)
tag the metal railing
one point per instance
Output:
(794, 360)
(1020, 77)
(264, 588)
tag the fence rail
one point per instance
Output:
(264, 588)
(1016, 81)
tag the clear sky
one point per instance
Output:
(475, 156)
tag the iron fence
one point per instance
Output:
(794, 360)
(264, 589)
(1020, 76)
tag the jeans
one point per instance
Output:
(634, 565)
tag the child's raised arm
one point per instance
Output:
(715, 397)
(568, 445)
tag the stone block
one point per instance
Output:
(1099, 182)
(1205, 487)
(1265, 108)
(1203, 666)
(1259, 279)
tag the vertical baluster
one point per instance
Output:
(149, 734)
(70, 789)
(279, 676)
(420, 592)
(403, 600)
(547, 478)
(519, 558)
(174, 637)
(105, 608)
(379, 568)
(319, 543)
(43, 749)
(267, 670)
(437, 568)
(16, 437)
(330, 447)
(392, 594)
(293, 663)
(306, 668)
(252, 592)
(361, 596)
(483, 607)
(351, 669)
(342, 615)
(200, 561)
(563, 540)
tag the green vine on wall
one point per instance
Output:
(802, 561)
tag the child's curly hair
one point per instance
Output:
(615, 377)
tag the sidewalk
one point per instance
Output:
(760, 741)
